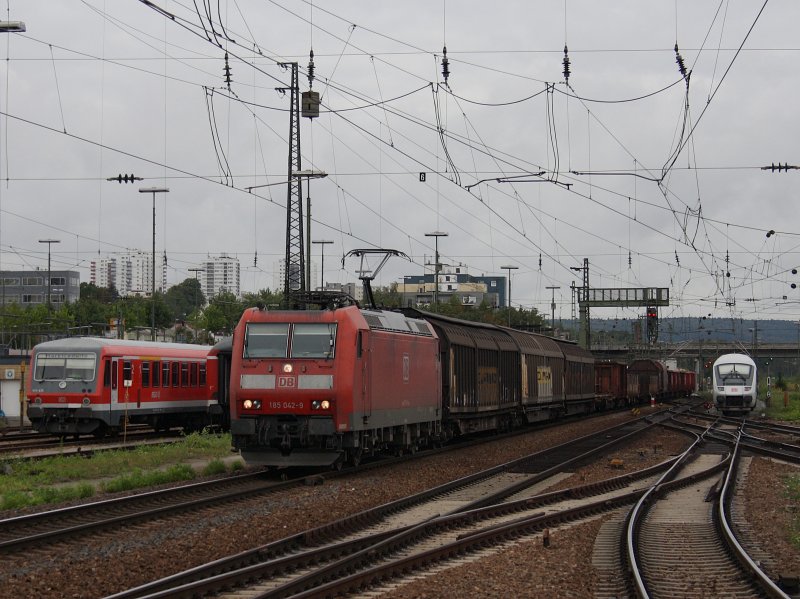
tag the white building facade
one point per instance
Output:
(220, 274)
(130, 274)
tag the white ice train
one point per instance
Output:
(735, 384)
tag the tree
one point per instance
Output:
(222, 314)
(184, 298)
(388, 297)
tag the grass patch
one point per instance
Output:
(26, 483)
(778, 411)
(139, 478)
(214, 467)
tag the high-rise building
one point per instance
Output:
(130, 274)
(220, 274)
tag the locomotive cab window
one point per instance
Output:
(64, 367)
(313, 340)
(733, 374)
(266, 340)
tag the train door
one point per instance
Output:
(112, 383)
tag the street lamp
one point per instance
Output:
(49, 243)
(509, 269)
(553, 306)
(154, 191)
(322, 243)
(436, 267)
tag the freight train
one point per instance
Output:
(327, 387)
(735, 384)
(95, 386)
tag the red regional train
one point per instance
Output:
(87, 385)
(324, 387)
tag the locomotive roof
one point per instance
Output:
(396, 321)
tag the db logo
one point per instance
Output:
(287, 381)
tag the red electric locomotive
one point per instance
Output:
(321, 387)
(94, 386)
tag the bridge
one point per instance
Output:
(698, 350)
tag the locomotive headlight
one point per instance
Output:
(315, 404)
(320, 404)
(257, 404)
(287, 368)
(748, 388)
(720, 388)
(248, 404)
(37, 400)
(86, 401)
(325, 404)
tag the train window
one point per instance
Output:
(266, 340)
(127, 370)
(733, 374)
(313, 340)
(165, 374)
(184, 374)
(145, 374)
(107, 373)
(176, 368)
(58, 366)
(202, 375)
(156, 374)
(193, 371)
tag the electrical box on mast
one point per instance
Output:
(309, 104)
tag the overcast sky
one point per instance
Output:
(656, 183)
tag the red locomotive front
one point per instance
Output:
(318, 387)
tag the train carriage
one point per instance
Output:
(647, 379)
(542, 380)
(578, 378)
(735, 384)
(611, 382)
(481, 378)
(88, 385)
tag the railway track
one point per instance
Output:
(45, 527)
(692, 526)
(39, 445)
(448, 519)
(393, 543)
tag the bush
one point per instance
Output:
(215, 467)
(138, 478)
